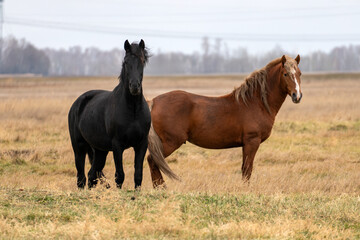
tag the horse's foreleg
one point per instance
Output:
(97, 166)
(156, 177)
(140, 152)
(118, 159)
(250, 148)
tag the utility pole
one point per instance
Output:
(1, 32)
(1, 19)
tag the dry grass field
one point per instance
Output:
(305, 183)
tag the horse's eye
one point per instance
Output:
(285, 74)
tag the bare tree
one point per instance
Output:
(19, 56)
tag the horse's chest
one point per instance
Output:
(132, 133)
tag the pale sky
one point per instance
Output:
(297, 26)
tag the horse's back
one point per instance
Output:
(173, 104)
(82, 101)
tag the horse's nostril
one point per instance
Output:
(294, 95)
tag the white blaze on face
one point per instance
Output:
(297, 87)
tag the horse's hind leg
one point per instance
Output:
(97, 166)
(156, 176)
(80, 167)
(91, 154)
(80, 147)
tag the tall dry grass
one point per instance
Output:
(312, 157)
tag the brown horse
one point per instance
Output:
(243, 118)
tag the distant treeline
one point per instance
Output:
(19, 56)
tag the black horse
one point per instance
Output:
(102, 121)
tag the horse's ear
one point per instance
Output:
(283, 60)
(127, 46)
(142, 44)
(297, 59)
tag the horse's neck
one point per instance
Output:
(122, 93)
(275, 94)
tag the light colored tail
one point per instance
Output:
(156, 151)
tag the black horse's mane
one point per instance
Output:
(138, 52)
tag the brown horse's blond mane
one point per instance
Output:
(258, 77)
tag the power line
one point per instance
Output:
(226, 17)
(184, 35)
(199, 12)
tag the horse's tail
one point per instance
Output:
(156, 151)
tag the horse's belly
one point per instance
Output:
(215, 143)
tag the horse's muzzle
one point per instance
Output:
(295, 99)
(135, 90)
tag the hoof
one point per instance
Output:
(92, 183)
(103, 181)
(159, 184)
(81, 183)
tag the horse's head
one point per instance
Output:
(290, 77)
(133, 66)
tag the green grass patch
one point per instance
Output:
(200, 212)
